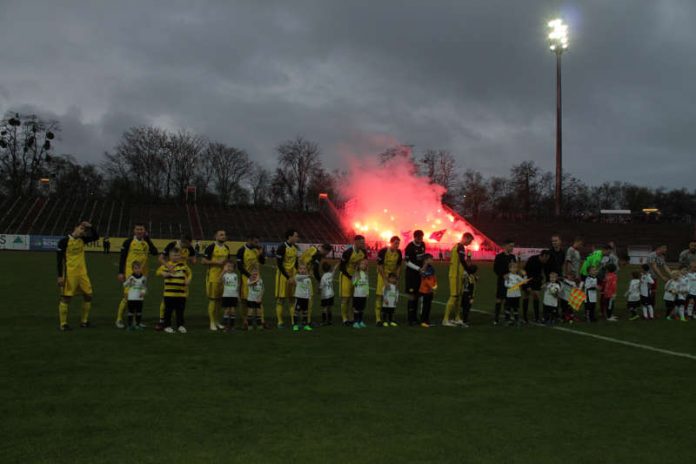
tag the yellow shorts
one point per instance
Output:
(282, 288)
(455, 286)
(77, 284)
(345, 287)
(213, 290)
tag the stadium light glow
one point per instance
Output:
(558, 35)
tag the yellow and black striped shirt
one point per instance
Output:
(175, 284)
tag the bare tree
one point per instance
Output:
(260, 186)
(141, 158)
(231, 167)
(298, 162)
(185, 150)
(25, 147)
(441, 168)
(474, 191)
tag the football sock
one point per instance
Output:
(645, 312)
(292, 315)
(121, 309)
(383, 316)
(130, 318)
(378, 309)
(497, 311)
(211, 311)
(138, 317)
(86, 307)
(535, 303)
(344, 309)
(651, 312)
(63, 313)
(681, 312)
(279, 312)
(412, 311)
(161, 313)
(451, 304)
(525, 308)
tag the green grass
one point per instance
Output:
(482, 395)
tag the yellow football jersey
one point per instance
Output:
(457, 258)
(248, 257)
(218, 253)
(71, 254)
(286, 257)
(135, 250)
(389, 259)
(350, 259)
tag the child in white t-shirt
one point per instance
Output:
(230, 294)
(670, 294)
(326, 290)
(551, 295)
(361, 290)
(390, 298)
(136, 284)
(254, 298)
(690, 278)
(589, 285)
(646, 283)
(513, 282)
(633, 295)
(303, 293)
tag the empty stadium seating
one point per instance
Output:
(55, 216)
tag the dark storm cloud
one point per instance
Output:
(472, 77)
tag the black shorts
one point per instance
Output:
(645, 300)
(633, 304)
(691, 297)
(301, 304)
(669, 304)
(174, 303)
(359, 303)
(135, 306)
(500, 290)
(253, 304)
(679, 302)
(327, 302)
(229, 302)
(534, 284)
(513, 302)
(413, 281)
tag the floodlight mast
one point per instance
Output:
(558, 43)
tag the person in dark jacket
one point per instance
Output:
(501, 266)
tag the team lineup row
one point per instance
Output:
(235, 289)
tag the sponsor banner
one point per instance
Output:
(44, 242)
(14, 242)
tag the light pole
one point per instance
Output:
(558, 43)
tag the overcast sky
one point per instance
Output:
(473, 77)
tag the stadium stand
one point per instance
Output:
(56, 215)
(537, 234)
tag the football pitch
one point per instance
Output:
(479, 395)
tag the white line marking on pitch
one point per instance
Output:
(600, 337)
(607, 339)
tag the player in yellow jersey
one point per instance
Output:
(250, 256)
(460, 261)
(72, 272)
(286, 261)
(389, 261)
(312, 258)
(136, 248)
(214, 257)
(188, 254)
(349, 262)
